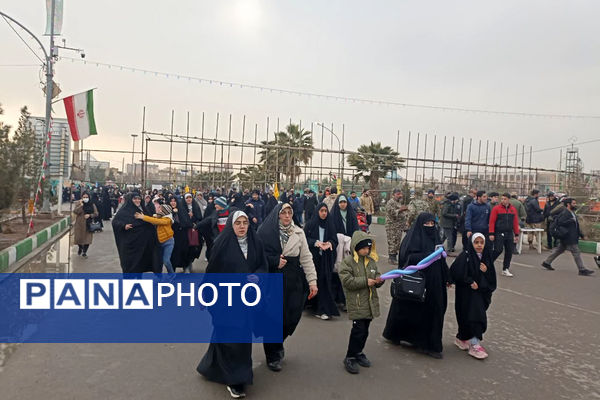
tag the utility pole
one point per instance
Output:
(133, 135)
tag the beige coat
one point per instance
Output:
(298, 246)
(330, 201)
(82, 236)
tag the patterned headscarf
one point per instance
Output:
(285, 231)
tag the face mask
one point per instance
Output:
(85, 200)
(429, 231)
(573, 208)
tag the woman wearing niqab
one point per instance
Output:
(421, 323)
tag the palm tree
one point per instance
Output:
(254, 176)
(284, 153)
(373, 162)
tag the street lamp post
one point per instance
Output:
(339, 147)
(133, 135)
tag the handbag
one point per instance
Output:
(193, 239)
(94, 226)
(409, 287)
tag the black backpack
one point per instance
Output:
(557, 230)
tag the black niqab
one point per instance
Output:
(419, 239)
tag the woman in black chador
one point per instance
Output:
(105, 210)
(322, 241)
(345, 222)
(416, 323)
(287, 253)
(136, 240)
(188, 217)
(237, 249)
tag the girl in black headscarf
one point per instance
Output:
(322, 241)
(96, 201)
(420, 323)
(85, 212)
(136, 240)
(236, 250)
(475, 278)
(287, 253)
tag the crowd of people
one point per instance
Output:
(329, 260)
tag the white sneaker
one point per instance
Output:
(324, 317)
(506, 272)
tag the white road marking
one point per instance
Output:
(550, 301)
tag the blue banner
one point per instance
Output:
(141, 308)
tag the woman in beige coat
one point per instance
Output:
(287, 253)
(85, 213)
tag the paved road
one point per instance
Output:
(543, 340)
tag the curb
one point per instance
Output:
(589, 247)
(19, 250)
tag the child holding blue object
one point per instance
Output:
(360, 279)
(475, 278)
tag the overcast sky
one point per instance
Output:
(522, 56)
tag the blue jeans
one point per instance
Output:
(167, 249)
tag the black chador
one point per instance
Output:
(231, 363)
(471, 305)
(137, 246)
(322, 230)
(420, 323)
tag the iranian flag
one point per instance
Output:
(80, 114)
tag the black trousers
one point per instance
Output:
(83, 248)
(552, 242)
(504, 241)
(274, 351)
(358, 337)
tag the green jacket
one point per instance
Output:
(520, 208)
(361, 299)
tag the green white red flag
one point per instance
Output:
(80, 114)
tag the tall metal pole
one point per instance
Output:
(133, 135)
(187, 144)
(171, 149)
(143, 164)
(49, 90)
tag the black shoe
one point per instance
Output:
(586, 272)
(597, 259)
(362, 360)
(84, 255)
(274, 366)
(433, 354)
(547, 266)
(236, 391)
(351, 365)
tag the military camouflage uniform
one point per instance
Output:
(434, 207)
(396, 224)
(416, 207)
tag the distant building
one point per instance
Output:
(60, 144)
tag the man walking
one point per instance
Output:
(535, 215)
(504, 231)
(366, 201)
(396, 223)
(568, 232)
(478, 215)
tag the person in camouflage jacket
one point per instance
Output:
(396, 223)
(417, 206)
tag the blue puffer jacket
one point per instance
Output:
(478, 217)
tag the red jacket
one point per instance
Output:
(504, 219)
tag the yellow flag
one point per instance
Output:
(276, 191)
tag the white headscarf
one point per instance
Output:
(242, 241)
(475, 236)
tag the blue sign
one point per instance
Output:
(141, 308)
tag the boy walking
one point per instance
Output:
(360, 279)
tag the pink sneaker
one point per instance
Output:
(477, 351)
(461, 344)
